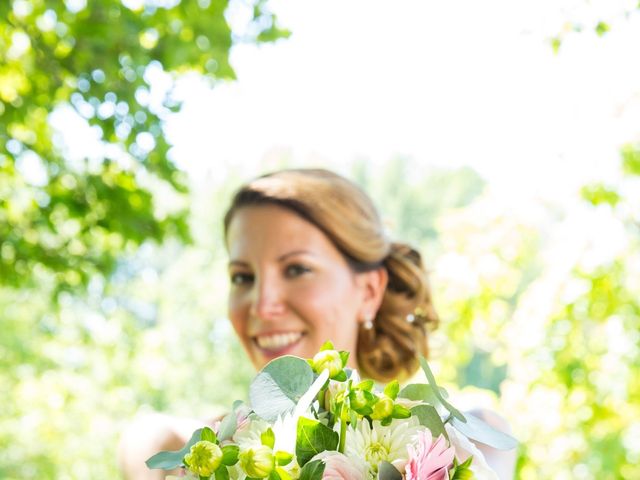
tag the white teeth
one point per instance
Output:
(279, 340)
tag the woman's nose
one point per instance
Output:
(268, 300)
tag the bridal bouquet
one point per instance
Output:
(316, 420)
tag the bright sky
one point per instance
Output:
(460, 82)
(446, 83)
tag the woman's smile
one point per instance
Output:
(291, 289)
(276, 344)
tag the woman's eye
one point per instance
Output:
(295, 270)
(241, 278)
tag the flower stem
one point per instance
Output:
(343, 435)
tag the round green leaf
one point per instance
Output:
(279, 386)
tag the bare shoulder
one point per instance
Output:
(502, 461)
(148, 434)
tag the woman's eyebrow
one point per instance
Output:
(293, 253)
(237, 263)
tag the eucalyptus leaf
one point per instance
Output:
(228, 426)
(279, 386)
(429, 417)
(312, 437)
(436, 391)
(480, 431)
(386, 471)
(168, 460)
(312, 470)
(419, 392)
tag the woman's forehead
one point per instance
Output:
(273, 229)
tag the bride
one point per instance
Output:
(309, 261)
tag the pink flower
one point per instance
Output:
(340, 467)
(430, 460)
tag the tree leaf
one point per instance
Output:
(279, 386)
(168, 460)
(312, 437)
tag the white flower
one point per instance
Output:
(465, 449)
(249, 435)
(284, 428)
(379, 443)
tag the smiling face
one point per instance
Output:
(291, 289)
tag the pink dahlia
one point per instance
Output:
(429, 460)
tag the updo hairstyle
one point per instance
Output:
(340, 209)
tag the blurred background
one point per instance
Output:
(500, 137)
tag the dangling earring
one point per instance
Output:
(368, 321)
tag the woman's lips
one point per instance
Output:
(276, 344)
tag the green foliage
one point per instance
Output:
(171, 460)
(88, 317)
(279, 386)
(631, 159)
(65, 220)
(387, 471)
(312, 470)
(562, 345)
(430, 418)
(312, 437)
(600, 194)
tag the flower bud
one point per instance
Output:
(257, 462)
(328, 359)
(358, 399)
(204, 458)
(382, 408)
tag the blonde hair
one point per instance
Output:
(341, 210)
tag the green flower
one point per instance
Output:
(204, 458)
(257, 462)
(329, 360)
(383, 408)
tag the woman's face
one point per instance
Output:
(291, 289)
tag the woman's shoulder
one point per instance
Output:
(146, 435)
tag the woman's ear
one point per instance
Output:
(373, 285)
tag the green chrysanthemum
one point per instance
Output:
(257, 462)
(204, 458)
(329, 360)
